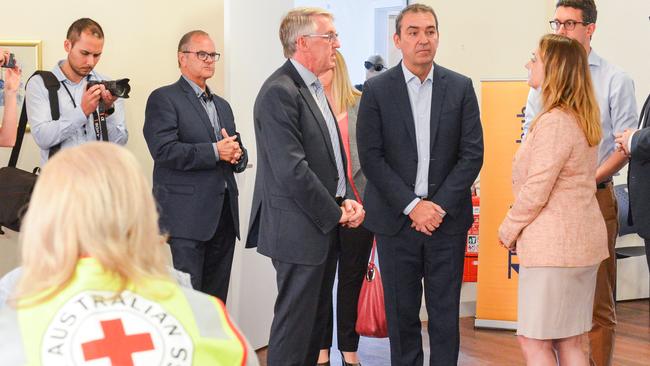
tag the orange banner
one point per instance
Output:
(502, 115)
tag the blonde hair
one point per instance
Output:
(344, 94)
(298, 22)
(567, 84)
(90, 200)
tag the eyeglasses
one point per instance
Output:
(377, 67)
(203, 56)
(331, 37)
(568, 25)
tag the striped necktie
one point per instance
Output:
(334, 135)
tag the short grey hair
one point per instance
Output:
(298, 22)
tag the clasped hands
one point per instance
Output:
(426, 217)
(621, 140)
(352, 214)
(229, 149)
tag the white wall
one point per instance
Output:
(355, 23)
(623, 38)
(252, 54)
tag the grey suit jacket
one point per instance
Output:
(638, 175)
(388, 149)
(294, 210)
(357, 174)
(189, 183)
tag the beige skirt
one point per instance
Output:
(555, 302)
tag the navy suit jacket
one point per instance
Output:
(638, 174)
(388, 149)
(189, 183)
(294, 209)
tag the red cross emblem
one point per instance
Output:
(116, 345)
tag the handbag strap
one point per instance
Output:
(372, 252)
(52, 84)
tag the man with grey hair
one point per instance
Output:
(301, 193)
(192, 137)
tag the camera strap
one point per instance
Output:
(99, 123)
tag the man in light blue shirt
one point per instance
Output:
(77, 103)
(615, 93)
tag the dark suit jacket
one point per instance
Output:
(388, 149)
(188, 181)
(294, 210)
(638, 174)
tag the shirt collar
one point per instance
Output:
(594, 59)
(61, 76)
(307, 76)
(408, 75)
(197, 89)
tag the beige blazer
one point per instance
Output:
(555, 219)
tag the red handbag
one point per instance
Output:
(371, 312)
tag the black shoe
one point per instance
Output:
(323, 364)
(347, 363)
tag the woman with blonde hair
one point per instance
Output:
(355, 242)
(555, 225)
(95, 282)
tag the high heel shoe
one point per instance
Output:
(343, 363)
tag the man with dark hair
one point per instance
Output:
(576, 19)
(421, 147)
(192, 137)
(78, 105)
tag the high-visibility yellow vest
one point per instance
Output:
(154, 323)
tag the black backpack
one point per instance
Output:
(16, 185)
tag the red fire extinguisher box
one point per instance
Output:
(470, 271)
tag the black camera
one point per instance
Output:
(11, 63)
(119, 88)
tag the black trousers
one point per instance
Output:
(208, 262)
(404, 260)
(301, 310)
(352, 256)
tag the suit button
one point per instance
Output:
(413, 185)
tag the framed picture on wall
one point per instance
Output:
(29, 56)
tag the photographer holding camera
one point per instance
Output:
(10, 85)
(88, 110)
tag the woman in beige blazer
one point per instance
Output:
(555, 225)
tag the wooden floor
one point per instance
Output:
(498, 347)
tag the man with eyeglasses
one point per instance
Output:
(78, 105)
(192, 138)
(302, 194)
(615, 93)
